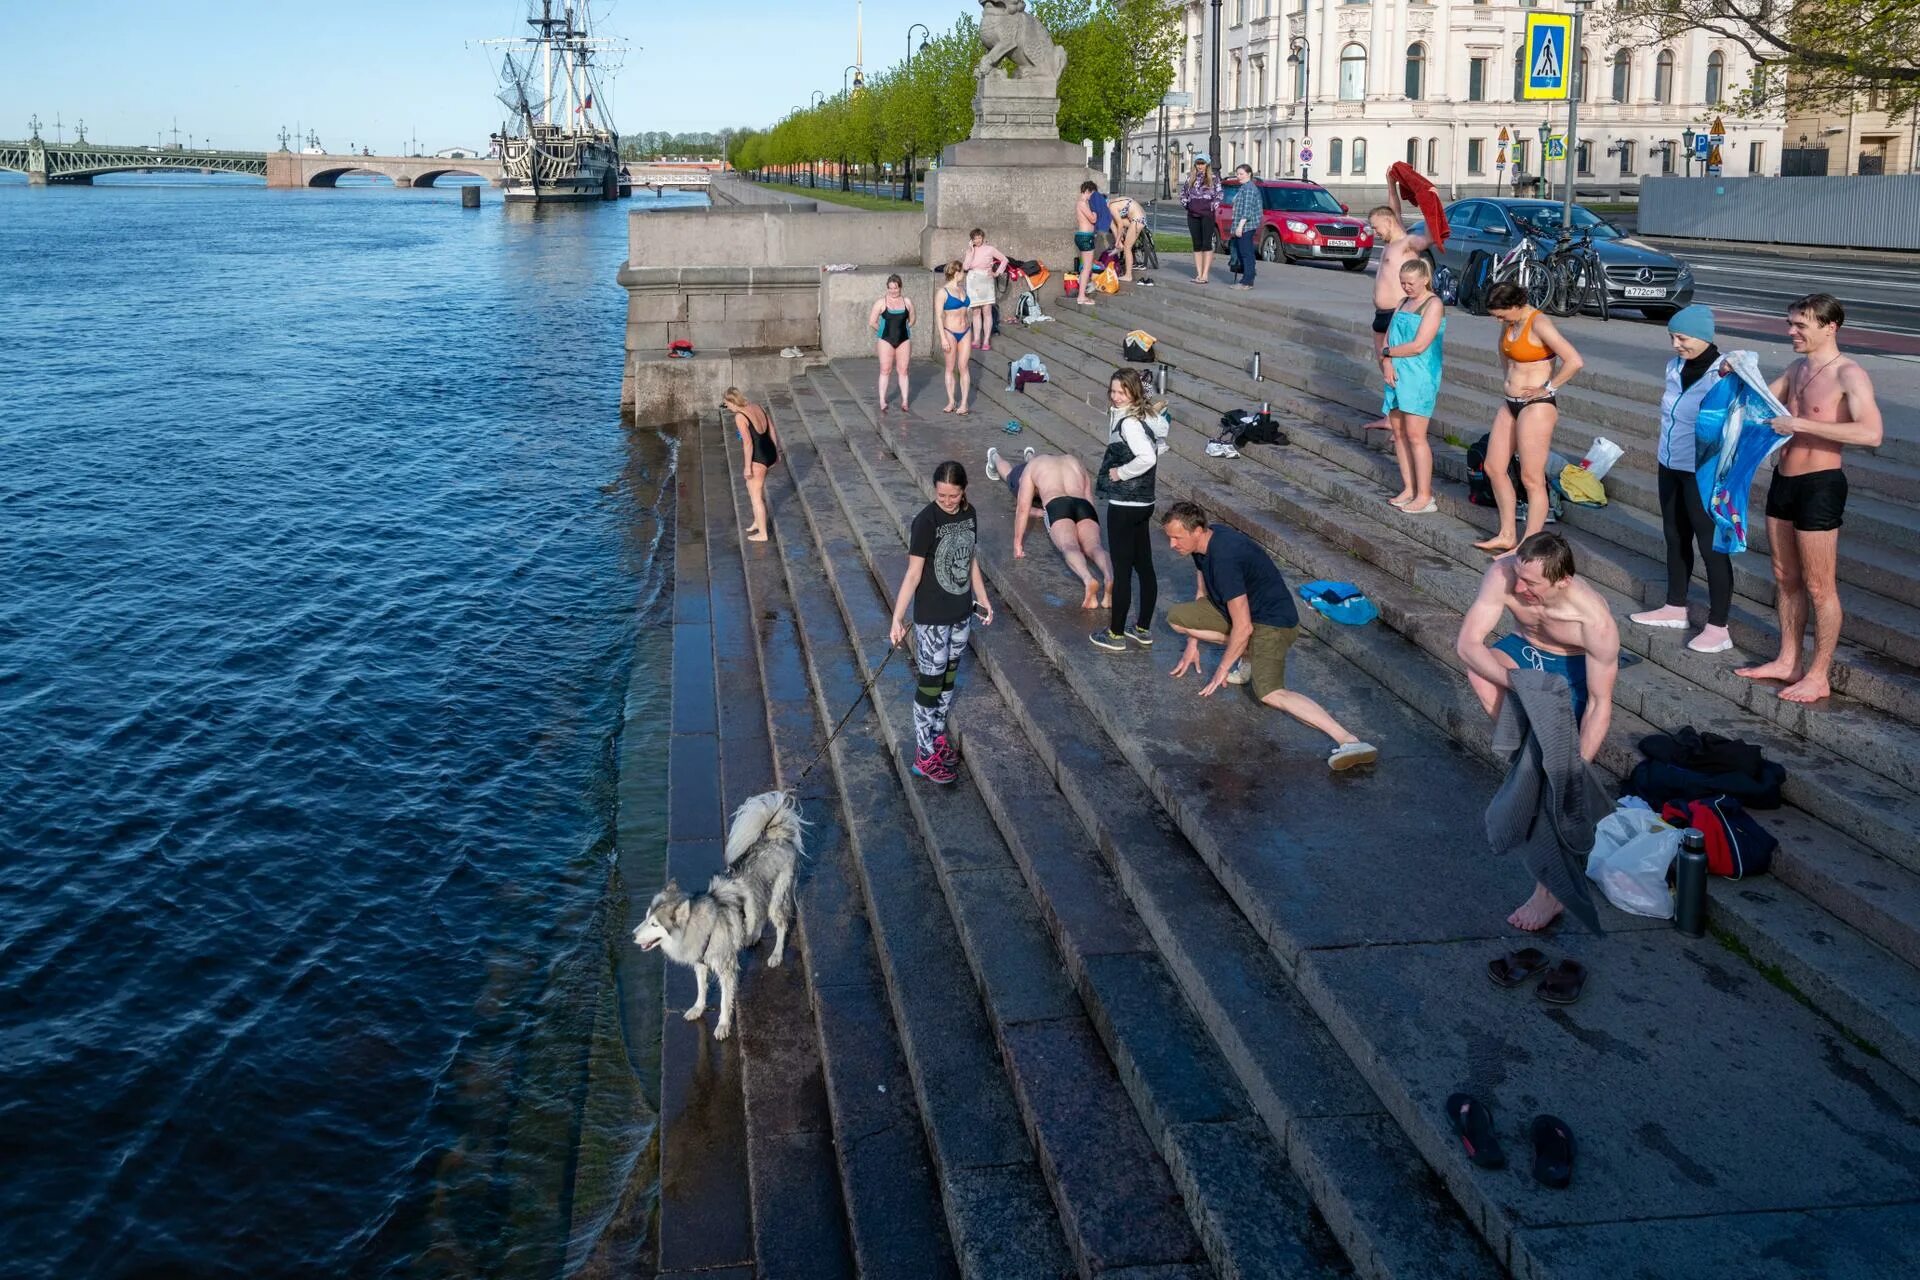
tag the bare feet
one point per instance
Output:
(1667, 615)
(1378, 424)
(883, 406)
(1537, 912)
(1497, 546)
(1090, 598)
(1811, 689)
(949, 408)
(1400, 499)
(756, 537)
(1106, 596)
(1778, 669)
(960, 413)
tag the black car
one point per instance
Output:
(1639, 276)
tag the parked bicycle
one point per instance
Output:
(1576, 281)
(1522, 265)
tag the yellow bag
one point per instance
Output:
(1106, 280)
(1582, 486)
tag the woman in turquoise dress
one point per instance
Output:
(1410, 362)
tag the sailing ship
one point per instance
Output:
(558, 144)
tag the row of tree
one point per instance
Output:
(656, 143)
(1120, 57)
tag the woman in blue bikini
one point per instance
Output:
(892, 323)
(956, 336)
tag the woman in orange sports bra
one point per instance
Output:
(1539, 361)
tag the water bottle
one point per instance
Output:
(1690, 885)
(1160, 380)
(1253, 367)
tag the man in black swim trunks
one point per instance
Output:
(1058, 487)
(1397, 247)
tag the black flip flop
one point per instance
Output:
(1473, 1122)
(1563, 983)
(1515, 967)
(1552, 1152)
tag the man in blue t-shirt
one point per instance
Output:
(1241, 601)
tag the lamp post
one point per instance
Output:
(906, 171)
(1545, 131)
(1573, 111)
(1300, 54)
(1687, 137)
(1213, 135)
(859, 83)
(926, 36)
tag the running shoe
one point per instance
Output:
(1141, 636)
(934, 769)
(1352, 755)
(993, 458)
(1242, 672)
(1111, 641)
(946, 750)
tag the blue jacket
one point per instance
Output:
(1732, 442)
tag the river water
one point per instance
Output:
(324, 565)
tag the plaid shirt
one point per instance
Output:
(1246, 205)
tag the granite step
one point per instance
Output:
(1886, 567)
(1249, 1213)
(1386, 925)
(894, 1220)
(1847, 907)
(1025, 736)
(1869, 674)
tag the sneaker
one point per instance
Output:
(993, 458)
(1242, 672)
(933, 769)
(946, 750)
(1111, 641)
(1352, 755)
(1028, 453)
(1141, 636)
(1221, 449)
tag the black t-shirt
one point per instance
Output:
(945, 594)
(1234, 565)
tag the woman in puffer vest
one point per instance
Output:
(1135, 427)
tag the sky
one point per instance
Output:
(382, 73)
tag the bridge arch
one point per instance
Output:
(330, 177)
(431, 176)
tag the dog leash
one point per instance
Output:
(858, 699)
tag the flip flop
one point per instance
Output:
(1515, 967)
(1473, 1122)
(1552, 1152)
(1563, 983)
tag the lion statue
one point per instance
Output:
(1012, 35)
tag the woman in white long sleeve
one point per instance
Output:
(1126, 481)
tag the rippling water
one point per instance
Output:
(324, 564)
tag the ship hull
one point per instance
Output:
(571, 170)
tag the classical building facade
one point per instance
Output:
(1858, 138)
(1435, 84)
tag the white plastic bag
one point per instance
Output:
(1601, 455)
(1632, 850)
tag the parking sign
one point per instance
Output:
(1549, 35)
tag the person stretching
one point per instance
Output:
(760, 442)
(1058, 488)
(984, 265)
(892, 323)
(943, 586)
(956, 337)
(1241, 601)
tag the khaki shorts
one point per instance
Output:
(1266, 652)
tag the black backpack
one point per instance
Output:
(1475, 281)
(1479, 488)
(1250, 426)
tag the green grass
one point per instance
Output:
(833, 195)
(1612, 206)
(1168, 242)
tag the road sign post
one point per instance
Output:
(1571, 151)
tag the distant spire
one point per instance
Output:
(858, 60)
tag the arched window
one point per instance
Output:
(1359, 155)
(1580, 76)
(1663, 77)
(1293, 155)
(1622, 75)
(1519, 72)
(1413, 152)
(1333, 156)
(1416, 71)
(1716, 75)
(1353, 73)
(1433, 155)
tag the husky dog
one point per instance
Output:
(709, 930)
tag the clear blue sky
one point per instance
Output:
(375, 73)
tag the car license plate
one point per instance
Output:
(1636, 291)
(1340, 244)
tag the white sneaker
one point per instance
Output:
(1352, 755)
(1242, 672)
(993, 458)
(1027, 453)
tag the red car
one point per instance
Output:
(1303, 222)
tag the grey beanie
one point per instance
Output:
(1695, 321)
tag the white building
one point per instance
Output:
(1435, 84)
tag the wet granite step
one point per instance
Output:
(999, 1216)
(894, 1222)
(1117, 1201)
(1867, 675)
(1065, 799)
(1888, 623)
(1386, 916)
(1875, 902)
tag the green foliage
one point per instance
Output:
(656, 143)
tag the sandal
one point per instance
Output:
(1563, 983)
(1515, 967)
(1473, 1122)
(1552, 1152)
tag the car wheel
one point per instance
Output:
(1270, 247)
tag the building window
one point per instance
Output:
(1756, 158)
(1235, 85)
(1416, 71)
(1293, 155)
(1413, 152)
(1353, 73)
(1626, 159)
(1299, 79)
(1259, 148)
(1622, 75)
(1476, 155)
(1666, 159)
(1580, 76)
(1477, 80)
(1519, 72)
(1433, 155)
(1586, 159)
(1716, 75)
(1239, 13)
(1259, 82)
(1333, 156)
(1519, 156)
(1359, 155)
(1663, 76)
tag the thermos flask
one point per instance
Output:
(1690, 885)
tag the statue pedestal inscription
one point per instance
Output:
(1013, 177)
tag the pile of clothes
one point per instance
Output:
(1708, 782)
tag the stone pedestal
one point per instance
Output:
(1020, 191)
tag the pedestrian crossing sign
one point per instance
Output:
(1557, 147)
(1549, 36)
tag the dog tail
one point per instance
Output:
(772, 813)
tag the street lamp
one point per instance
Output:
(1687, 137)
(1545, 131)
(1213, 135)
(1300, 54)
(926, 36)
(859, 78)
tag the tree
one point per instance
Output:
(1816, 52)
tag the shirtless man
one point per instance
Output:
(1057, 487)
(1398, 247)
(1084, 237)
(1831, 402)
(1561, 626)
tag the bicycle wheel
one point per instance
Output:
(1533, 277)
(1145, 252)
(1563, 288)
(1597, 285)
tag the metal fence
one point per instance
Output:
(1849, 212)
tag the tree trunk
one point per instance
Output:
(906, 180)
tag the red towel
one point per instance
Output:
(1412, 186)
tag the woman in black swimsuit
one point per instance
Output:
(892, 323)
(760, 441)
